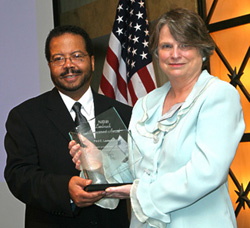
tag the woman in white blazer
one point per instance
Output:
(187, 132)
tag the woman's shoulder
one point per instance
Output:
(223, 87)
(218, 85)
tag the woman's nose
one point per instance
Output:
(175, 51)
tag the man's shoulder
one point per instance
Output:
(34, 102)
(103, 103)
(110, 101)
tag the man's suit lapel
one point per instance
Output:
(59, 114)
(100, 103)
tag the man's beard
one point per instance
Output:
(84, 80)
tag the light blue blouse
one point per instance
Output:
(181, 182)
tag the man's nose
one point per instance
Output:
(68, 62)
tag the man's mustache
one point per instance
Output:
(70, 70)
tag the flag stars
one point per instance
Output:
(119, 19)
(141, 3)
(133, 64)
(135, 39)
(145, 43)
(137, 27)
(131, 39)
(119, 8)
(119, 31)
(134, 52)
(144, 55)
(139, 15)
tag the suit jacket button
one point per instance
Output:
(93, 223)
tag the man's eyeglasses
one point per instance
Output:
(75, 58)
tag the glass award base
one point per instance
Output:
(102, 187)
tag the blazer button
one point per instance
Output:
(156, 139)
(94, 223)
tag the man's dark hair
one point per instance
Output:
(72, 29)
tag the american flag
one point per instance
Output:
(128, 70)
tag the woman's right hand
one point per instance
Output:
(75, 152)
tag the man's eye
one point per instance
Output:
(58, 59)
(77, 56)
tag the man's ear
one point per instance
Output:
(92, 62)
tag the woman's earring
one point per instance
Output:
(204, 59)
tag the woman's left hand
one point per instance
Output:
(121, 192)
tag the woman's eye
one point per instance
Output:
(184, 46)
(165, 46)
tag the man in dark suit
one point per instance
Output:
(39, 169)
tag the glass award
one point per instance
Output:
(104, 153)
